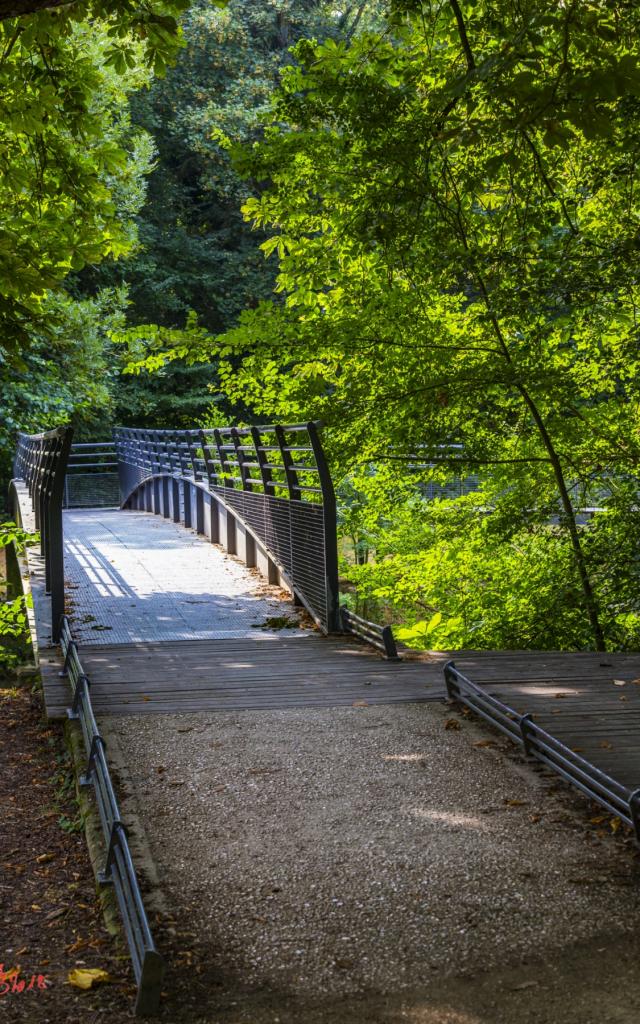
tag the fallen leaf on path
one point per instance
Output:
(485, 743)
(44, 858)
(360, 704)
(452, 723)
(75, 946)
(56, 913)
(525, 984)
(515, 803)
(86, 977)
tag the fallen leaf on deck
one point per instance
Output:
(86, 977)
(619, 682)
(606, 745)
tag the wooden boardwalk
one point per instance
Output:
(591, 702)
(228, 675)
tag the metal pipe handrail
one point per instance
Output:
(620, 800)
(378, 636)
(118, 870)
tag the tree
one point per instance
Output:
(455, 211)
(197, 253)
(72, 171)
(64, 77)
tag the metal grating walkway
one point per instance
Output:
(136, 578)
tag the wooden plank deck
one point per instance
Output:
(221, 675)
(577, 697)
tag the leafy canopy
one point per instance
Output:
(453, 207)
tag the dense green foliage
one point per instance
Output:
(13, 607)
(197, 254)
(453, 206)
(72, 176)
(447, 204)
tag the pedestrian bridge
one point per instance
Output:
(197, 571)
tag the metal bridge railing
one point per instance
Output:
(621, 801)
(272, 480)
(41, 462)
(380, 637)
(91, 480)
(148, 965)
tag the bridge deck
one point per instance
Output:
(133, 577)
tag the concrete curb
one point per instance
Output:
(93, 833)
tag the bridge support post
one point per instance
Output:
(175, 501)
(245, 545)
(227, 531)
(266, 566)
(166, 509)
(156, 497)
(148, 497)
(199, 523)
(186, 495)
(211, 518)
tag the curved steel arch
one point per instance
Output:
(264, 492)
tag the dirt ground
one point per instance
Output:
(52, 923)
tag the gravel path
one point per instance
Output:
(309, 856)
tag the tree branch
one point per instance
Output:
(462, 32)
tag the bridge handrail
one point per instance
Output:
(273, 480)
(119, 870)
(378, 636)
(621, 801)
(41, 462)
